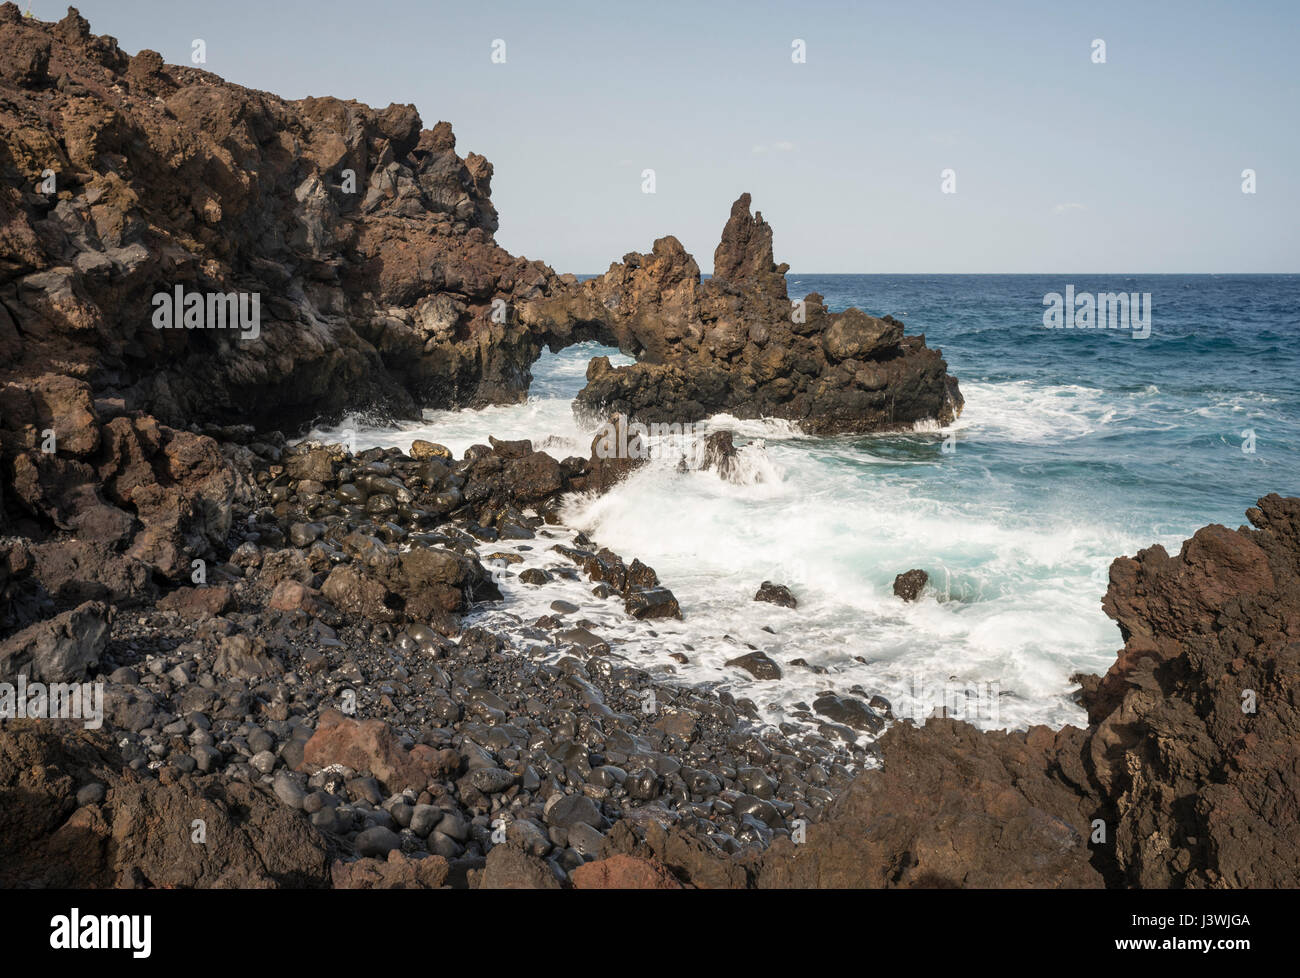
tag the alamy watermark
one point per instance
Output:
(53, 701)
(620, 438)
(1105, 310)
(970, 701)
(75, 931)
(179, 309)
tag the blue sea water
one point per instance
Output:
(1075, 446)
(1152, 429)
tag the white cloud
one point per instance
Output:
(1062, 208)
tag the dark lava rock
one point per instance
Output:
(776, 594)
(908, 585)
(849, 711)
(378, 841)
(509, 867)
(573, 809)
(58, 650)
(758, 665)
(657, 602)
(586, 640)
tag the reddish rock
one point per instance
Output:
(293, 596)
(198, 602)
(623, 872)
(366, 745)
(397, 872)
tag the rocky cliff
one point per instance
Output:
(367, 238)
(369, 243)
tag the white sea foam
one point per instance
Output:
(1015, 590)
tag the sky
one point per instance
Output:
(1062, 163)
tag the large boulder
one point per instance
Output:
(59, 650)
(370, 745)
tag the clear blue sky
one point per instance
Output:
(1062, 165)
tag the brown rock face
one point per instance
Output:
(397, 872)
(953, 808)
(141, 835)
(745, 252)
(623, 872)
(1197, 736)
(367, 239)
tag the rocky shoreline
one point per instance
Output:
(323, 663)
(299, 689)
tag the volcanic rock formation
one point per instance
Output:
(736, 343)
(368, 244)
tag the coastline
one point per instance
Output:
(302, 651)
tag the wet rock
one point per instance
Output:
(570, 810)
(776, 594)
(908, 585)
(586, 640)
(758, 665)
(849, 711)
(424, 450)
(652, 603)
(491, 780)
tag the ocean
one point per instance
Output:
(1075, 446)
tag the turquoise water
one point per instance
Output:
(1075, 446)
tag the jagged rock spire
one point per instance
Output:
(744, 255)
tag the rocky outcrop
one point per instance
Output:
(736, 343)
(135, 188)
(291, 579)
(1196, 727)
(130, 499)
(366, 237)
